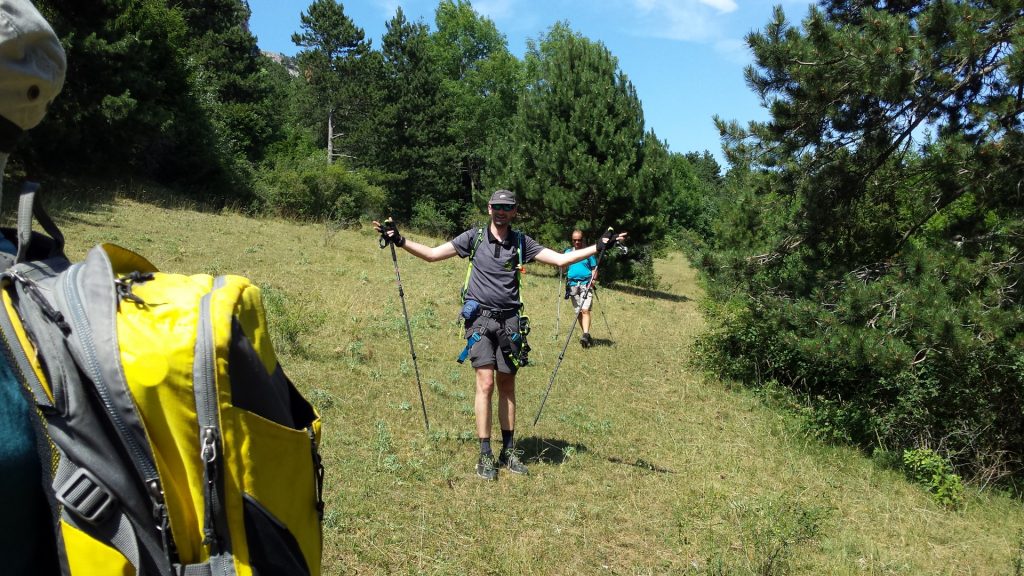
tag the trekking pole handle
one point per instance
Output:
(395, 238)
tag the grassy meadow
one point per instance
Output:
(639, 464)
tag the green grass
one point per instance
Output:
(639, 465)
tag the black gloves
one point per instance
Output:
(395, 238)
(607, 240)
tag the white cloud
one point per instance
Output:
(687, 20)
(495, 9)
(723, 6)
(734, 50)
(388, 7)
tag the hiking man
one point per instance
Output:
(32, 66)
(577, 279)
(493, 282)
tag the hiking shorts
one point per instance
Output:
(487, 350)
(576, 293)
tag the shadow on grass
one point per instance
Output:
(640, 463)
(547, 450)
(594, 342)
(647, 293)
(67, 197)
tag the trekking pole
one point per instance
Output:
(568, 338)
(601, 308)
(558, 305)
(389, 224)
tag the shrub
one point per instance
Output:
(428, 219)
(308, 188)
(934, 472)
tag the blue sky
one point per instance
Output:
(685, 57)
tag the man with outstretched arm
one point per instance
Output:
(497, 252)
(580, 280)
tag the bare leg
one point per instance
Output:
(482, 405)
(507, 401)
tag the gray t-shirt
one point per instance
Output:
(493, 281)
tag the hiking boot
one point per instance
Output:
(511, 461)
(585, 340)
(485, 467)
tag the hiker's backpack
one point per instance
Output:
(176, 444)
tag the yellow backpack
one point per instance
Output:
(176, 443)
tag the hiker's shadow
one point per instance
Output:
(594, 342)
(548, 450)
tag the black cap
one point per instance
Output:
(503, 197)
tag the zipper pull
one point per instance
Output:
(318, 472)
(34, 292)
(124, 286)
(208, 453)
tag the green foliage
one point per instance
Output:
(229, 80)
(578, 153)
(415, 147)
(482, 80)
(163, 89)
(336, 96)
(428, 219)
(307, 188)
(641, 268)
(770, 531)
(874, 272)
(691, 203)
(934, 472)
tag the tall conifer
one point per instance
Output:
(578, 152)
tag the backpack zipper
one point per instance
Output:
(138, 455)
(205, 388)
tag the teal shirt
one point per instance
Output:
(26, 544)
(580, 271)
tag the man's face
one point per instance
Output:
(501, 214)
(577, 241)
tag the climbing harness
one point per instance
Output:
(513, 343)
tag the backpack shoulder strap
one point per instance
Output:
(476, 243)
(472, 253)
(520, 269)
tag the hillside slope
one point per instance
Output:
(638, 465)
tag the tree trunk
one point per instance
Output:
(330, 136)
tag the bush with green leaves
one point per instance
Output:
(428, 219)
(309, 188)
(931, 470)
(875, 272)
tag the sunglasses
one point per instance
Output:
(577, 239)
(503, 207)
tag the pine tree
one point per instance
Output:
(483, 81)
(228, 73)
(417, 149)
(877, 240)
(333, 64)
(127, 89)
(578, 153)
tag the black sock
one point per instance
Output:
(506, 440)
(485, 446)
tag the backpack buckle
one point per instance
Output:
(83, 494)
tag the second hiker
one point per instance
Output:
(577, 279)
(492, 326)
